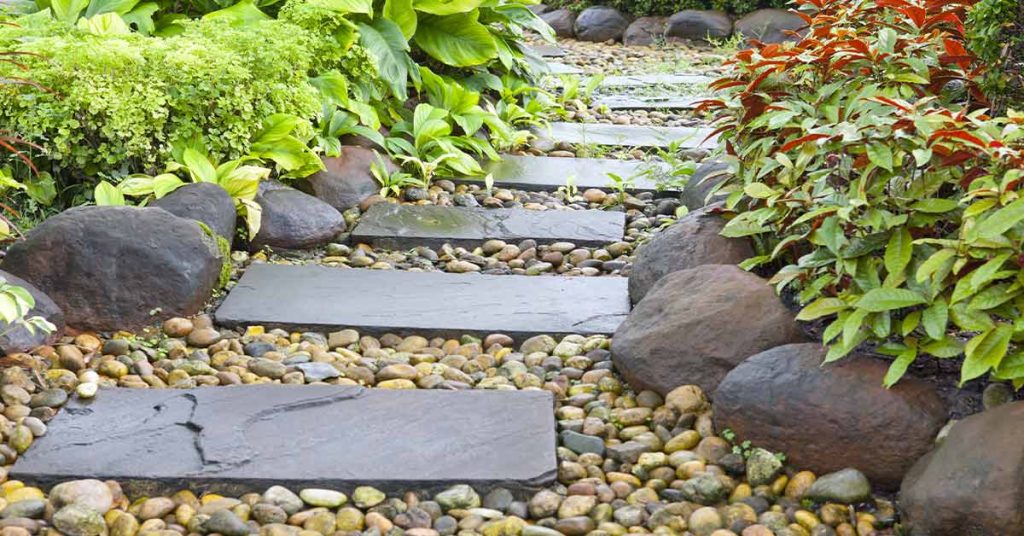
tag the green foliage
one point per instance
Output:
(120, 102)
(894, 210)
(15, 304)
(996, 35)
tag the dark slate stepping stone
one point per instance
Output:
(545, 173)
(656, 79)
(547, 51)
(393, 226)
(628, 135)
(557, 68)
(235, 440)
(628, 102)
(442, 304)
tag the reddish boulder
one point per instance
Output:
(562, 21)
(827, 418)
(347, 179)
(699, 25)
(645, 31)
(770, 25)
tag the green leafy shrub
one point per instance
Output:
(996, 35)
(120, 101)
(894, 209)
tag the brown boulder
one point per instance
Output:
(973, 483)
(346, 179)
(770, 25)
(562, 21)
(827, 418)
(699, 25)
(695, 325)
(690, 242)
(294, 220)
(600, 23)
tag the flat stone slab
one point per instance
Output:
(561, 68)
(393, 226)
(546, 173)
(628, 135)
(656, 79)
(235, 440)
(319, 298)
(628, 102)
(548, 51)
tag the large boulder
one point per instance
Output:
(699, 25)
(645, 31)
(293, 219)
(562, 21)
(600, 24)
(346, 179)
(205, 202)
(770, 25)
(18, 338)
(973, 483)
(690, 242)
(707, 176)
(830, 417)
(119, 268)
(695, 325)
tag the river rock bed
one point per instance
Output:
(628, 462)
(616, 58)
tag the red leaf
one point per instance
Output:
(802, 140)
(757, 81)
(957, 134)
(890, 102)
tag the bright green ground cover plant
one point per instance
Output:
(867, 169)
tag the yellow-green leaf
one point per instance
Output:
(985, 351)
(899, 251)
(822, 307)
(887, 299)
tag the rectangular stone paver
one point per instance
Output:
(235, 440)
(628, 102)
(393, 226)
(628, 135)
(656, 79)
(431, 304)
(557, 68)
(545, 173)
(545, 50)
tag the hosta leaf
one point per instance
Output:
(446, 7)
(242, 13)
(401, 13)
(384, 40)
(68, 10)
(985, 351)
(107, 195)
(887, 299)
(109, 6)
(345, 6)
(456, 40)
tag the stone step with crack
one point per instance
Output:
(431, 304)
(394, 226)
(547, 174)
(628, 135)
(236, 440)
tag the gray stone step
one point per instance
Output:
(545, 173)
(557, 68)
(656, 79)
(627, 135)
(545, 50)
(629, 102)
(393, 226)
(425, 303)
(235, 440)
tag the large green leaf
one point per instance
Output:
(1002, 220)
(401, 12)
(456, 40)
(384, 40)
(242, 13)
(345, 6)
(142, 17)
(886, 299)
(109, 6)
(446, 7)
(68, 10)
(985, 351)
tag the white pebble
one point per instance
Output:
(87, 389)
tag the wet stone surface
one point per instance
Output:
(628, 135)
(550, 173)
(408, 226)
(246, 438)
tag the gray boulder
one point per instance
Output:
(562, 21)
(707, 176)
(645, 31)
(695, 325)
(346, 180)
(205, 202)
(114, 268)
(600, 23)
(770, 25)
(830, 417)
(973, 483)
(293, 219)
(19, 339)
(699, 25)
(692, 241)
